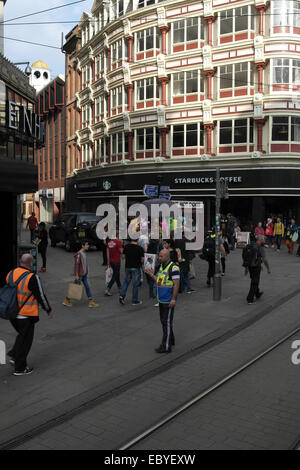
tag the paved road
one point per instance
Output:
(83, 352)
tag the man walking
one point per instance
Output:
(134, 258)
(29, 294)
(32, 224)
(81, 274)
(114, 251)
(254, 268)
(167, 282)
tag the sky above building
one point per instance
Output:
(65, 19)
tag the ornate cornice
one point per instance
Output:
(15, 78)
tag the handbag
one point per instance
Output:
(108, 275)
(75, 291)
(295, 237)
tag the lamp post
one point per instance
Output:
(28, 68)
(221, 193)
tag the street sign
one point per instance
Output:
(165, 196)
(151, 191)
(165, 189)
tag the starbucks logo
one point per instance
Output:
(106, 185)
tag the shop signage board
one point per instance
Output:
(151, 191)
(242, 239)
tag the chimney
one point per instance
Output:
(2, 4)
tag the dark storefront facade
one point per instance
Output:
(254, 191)
(20, 129)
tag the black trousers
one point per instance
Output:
(166, 319)
(116, 275)
(211, 269)
(254, 287)
(23, 343)
(43, 251)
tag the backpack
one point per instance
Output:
(250, 256)
(9, 307)
(209, 249)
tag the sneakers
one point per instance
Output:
(251, 303)
(27, 371)
(108, 293)
(122, 300)
(139, 302)
(42, 270)
(156, 305)
(190, 291)
(259, 295)
(67, 302)
(92, 304)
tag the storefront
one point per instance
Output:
(20, 130)
(254, 192)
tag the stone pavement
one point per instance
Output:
(83, 352)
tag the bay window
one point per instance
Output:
(285, 16)
(119, 146)
(147, 43)
(147, 92)
(285, 134)
(286, 74)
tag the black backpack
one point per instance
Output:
(250, 256)
(209, 249)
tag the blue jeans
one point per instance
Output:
(151, 285)
(85, 282)
(185, 283)
(134, 275)
(278, 239)
(116, 275)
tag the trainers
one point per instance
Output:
(122, 300)
(27, 371)
(156, 305)
(108, 293)
(251, 303)
(259, 295)
(42, 270)
(67, 302)
(190, 291)
(139, 302)
(92, 304)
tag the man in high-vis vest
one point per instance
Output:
(30, 294)
(167, 285)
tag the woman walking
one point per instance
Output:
(278, 233)
(43, 245)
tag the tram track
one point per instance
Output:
(96, 397)
(202, 395)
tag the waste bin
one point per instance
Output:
(32, 249)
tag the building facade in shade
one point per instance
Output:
(20, 131)
(2, 4)
(72, 110)
(176, 88)
(49, 199)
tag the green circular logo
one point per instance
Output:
(106, 185)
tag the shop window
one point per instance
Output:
(188, 139)
(236, 136)
(236, 24)
(236, 80)
(187, 34)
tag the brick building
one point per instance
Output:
(51, 159)
(176, 88)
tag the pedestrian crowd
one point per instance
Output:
(166, 264)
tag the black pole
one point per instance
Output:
(217, 291)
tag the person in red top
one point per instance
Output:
(114, 251)
(32, 224)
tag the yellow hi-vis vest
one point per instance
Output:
(164, 283)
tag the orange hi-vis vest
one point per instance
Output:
(31, 308)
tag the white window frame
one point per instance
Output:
(251, 24)
(145, 150)
(291, 68)
(123, 137)
(248, 143)
(288, 9)
(235, 86)
(156, 38)
(185, 29)
(184, 94)
(185, 146)
(156, 91)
